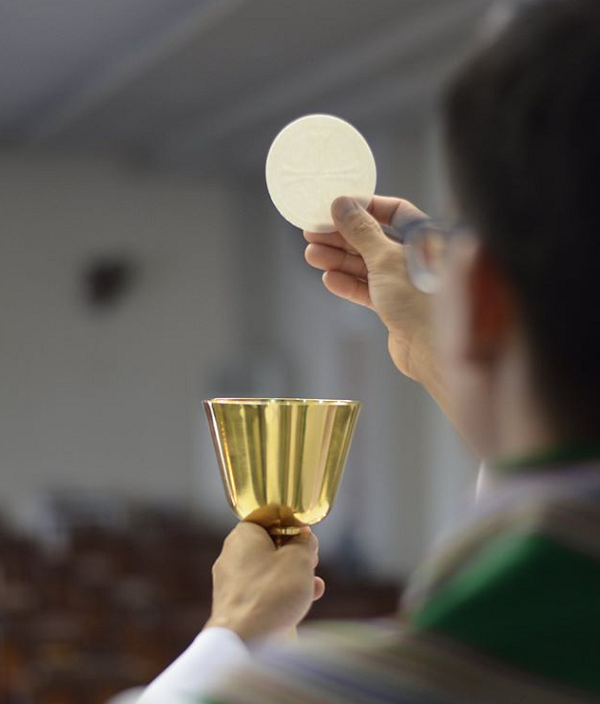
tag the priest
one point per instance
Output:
(496, 311)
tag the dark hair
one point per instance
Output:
(522, 124)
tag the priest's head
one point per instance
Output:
(520, 310)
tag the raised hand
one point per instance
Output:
(259, 590)
(365, 267)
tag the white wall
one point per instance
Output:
(106, 401)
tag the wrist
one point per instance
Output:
(224, 622)
(241, 626)
(423, 365)
(413, 355)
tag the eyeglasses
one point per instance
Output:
(426, 243)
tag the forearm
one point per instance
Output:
(427, 371)
(214, 653)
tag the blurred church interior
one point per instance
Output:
(143, 268)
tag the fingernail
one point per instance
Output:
(342, 207)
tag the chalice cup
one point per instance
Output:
(281, 459)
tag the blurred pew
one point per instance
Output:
(115, 605)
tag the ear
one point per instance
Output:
(489, 305)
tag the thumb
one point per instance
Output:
(359, 229)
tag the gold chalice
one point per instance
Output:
(281, 459)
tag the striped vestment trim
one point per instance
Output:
(506, 610)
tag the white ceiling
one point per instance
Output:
(206, 83)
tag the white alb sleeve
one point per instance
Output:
(485, 481)
(202, 666)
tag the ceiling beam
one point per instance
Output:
(404, 39)
(414, 89)
(371, 102)
(132, 63)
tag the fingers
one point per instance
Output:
(246, 531)
(331, 258)
(393, 211)
(302, 546)
(330, 239)
(360, 230)
(348, 287)
(306, 536)
(305, 539)
(319, 588)
(386, 210)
